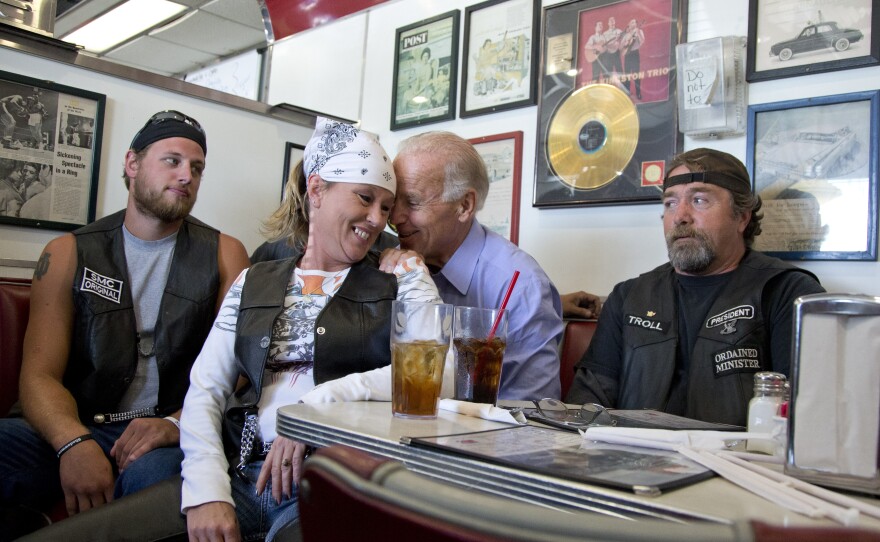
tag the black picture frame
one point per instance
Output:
(424, 90)
(598, 144)
(50, 153)
(778, 29)
(293, 153)
(814, 162)
(500, 56)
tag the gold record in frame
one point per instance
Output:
(592, 136)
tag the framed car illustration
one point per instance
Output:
(790, 37)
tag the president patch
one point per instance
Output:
(102, 286)
(729, 318)
(737, 360)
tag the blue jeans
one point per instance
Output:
(29, 468)
(259, 515)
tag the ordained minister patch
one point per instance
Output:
(737, 360)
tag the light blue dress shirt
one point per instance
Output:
(478, 275)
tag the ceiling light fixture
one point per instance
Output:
(123, 22)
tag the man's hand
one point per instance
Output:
(212, 521)
(86, 477)
(581, 305)
(141, 436)
(391, 257)
(284, 465)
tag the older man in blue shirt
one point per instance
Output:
(442, 183)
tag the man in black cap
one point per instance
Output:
(687, 337)
(119, 311)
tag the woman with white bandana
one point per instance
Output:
(286, 326)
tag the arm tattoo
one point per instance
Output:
(42, 266)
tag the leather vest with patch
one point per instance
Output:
(103, 357)
(731, 346)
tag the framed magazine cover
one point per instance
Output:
(500, 56)
(502, 154)
(791, 37)
(814, 162)
(425, 72)
(607, 111)
(50, 153)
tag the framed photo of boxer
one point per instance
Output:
(425, 72)
(500, 56)
(791, 37)
(50, 153)
(607, 110)
(814, 162)
(502, 154)
(293, 153)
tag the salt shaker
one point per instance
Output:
(763, 408)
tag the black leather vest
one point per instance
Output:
(352, 332)
(103, 356)
(731, 346)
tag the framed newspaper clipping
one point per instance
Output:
(50, 153)
(425, 72)
(607, 115)
(814, 162)
(500, 56)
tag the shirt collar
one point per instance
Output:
(460, 268)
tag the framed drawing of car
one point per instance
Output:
(789, 37)
(814, 162)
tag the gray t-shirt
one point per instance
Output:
(149, 263)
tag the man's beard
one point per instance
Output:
(151, 204)
(694, 256)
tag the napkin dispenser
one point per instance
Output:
(834, 414)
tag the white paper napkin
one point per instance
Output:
(483, 410)
(667, 439)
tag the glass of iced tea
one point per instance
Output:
(420, 335)
(478, 357)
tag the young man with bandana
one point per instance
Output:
(687, 337)
(119, 311)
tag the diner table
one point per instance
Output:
(370, 426)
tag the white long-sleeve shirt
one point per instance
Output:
(214, 373)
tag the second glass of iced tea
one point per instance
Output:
(478, 357)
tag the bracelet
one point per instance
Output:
(173, 420)
(72, 443)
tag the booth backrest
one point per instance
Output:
(575, 341)
(15, 302)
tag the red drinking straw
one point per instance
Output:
(503, 304)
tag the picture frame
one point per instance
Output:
(814, 162)
(789, 37)
(500, 56)
(50, 153)
(425, 72)
(607, 114)
(502, 154)
(293, 153)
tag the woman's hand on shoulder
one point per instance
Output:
(392, 257)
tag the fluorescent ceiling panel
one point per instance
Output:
(121, 23)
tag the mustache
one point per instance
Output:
(683, 231)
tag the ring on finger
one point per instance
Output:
(285, 462)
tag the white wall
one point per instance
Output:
(593, 248)
(242, 182)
